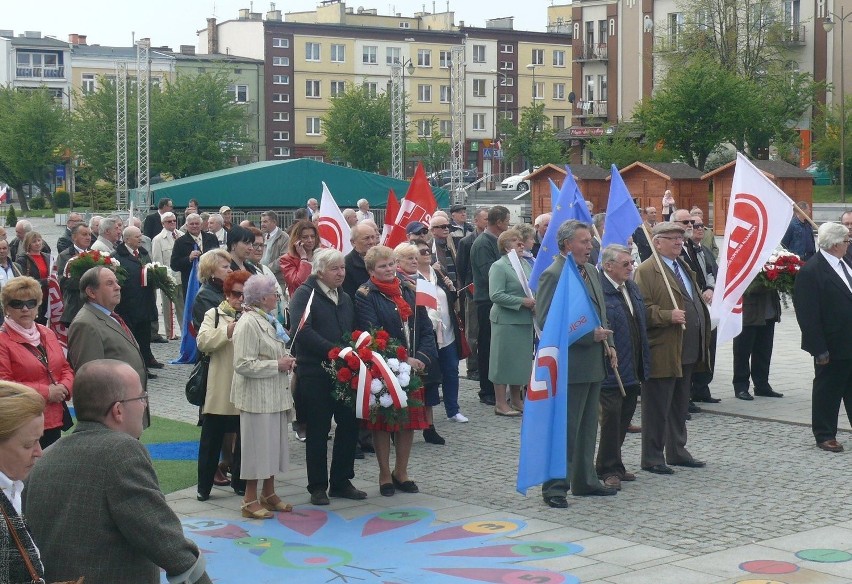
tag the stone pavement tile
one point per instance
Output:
(451, 514)
(562, 564)
(188, 506)
(598, 570)
(727, 563)
(598, 544)
(832, 537)
(565, 535)
(669, 559)
(665, 574)
(534, 527)
(356, 511)
(633, 555)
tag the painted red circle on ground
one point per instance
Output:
(768, 567)
(317, 560)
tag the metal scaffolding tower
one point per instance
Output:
(121, 134)
(143, 92)
(457, 70)
(398, 133)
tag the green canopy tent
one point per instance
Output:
(282, 184)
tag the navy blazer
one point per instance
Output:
(325, 327)
(631, 369)
(823, 306)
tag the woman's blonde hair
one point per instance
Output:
(504, 239)
(209, 261)
(403, 249)
(18, 405)
(21, 288)
(28, 239)
(376, 254)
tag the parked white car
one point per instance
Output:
(517, 182)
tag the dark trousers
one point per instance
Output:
(616, 414)
(49, 437)
(832, 383)
(142, 333)
(701, 379)
(213, 430)
(665, 403)
(752, 355)
(471, 329)
(318, 407)
(483, 340)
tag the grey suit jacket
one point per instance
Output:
(585, 357)
(95, 508)
(275, 248)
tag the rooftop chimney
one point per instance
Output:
(187, 49)
(82, 39)
(212, 37)
(74, 38)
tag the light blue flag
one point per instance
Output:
(544, 430)
(622, 217)
(568, 203)
(188, 348)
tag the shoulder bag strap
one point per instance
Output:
(29, 564)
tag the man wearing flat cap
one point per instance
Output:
(679, 336)
(459, 227)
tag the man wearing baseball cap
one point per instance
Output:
(417, 232)
(225, 212)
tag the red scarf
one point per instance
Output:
(393, 291)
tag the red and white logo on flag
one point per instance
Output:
(427, 294)
(333, 229)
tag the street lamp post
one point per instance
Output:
(406, 66)
(533, 67)
(505, 114)
(828, 25)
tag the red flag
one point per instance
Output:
(426, 295)
(418, 205)
(391, 211)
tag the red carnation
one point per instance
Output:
(381, 344)
(355, 335)
(772, 276)
(351, 360)
(354, 383)
(96, 256)
(334, 353)
(365, 354)
(344, 375)
(383, 335)
(401, 354)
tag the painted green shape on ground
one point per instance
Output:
(824, 556)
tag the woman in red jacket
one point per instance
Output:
(35, 264)
(30, 354)
(296, 263)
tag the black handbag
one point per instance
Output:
(196, 385)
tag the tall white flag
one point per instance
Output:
(333, 229)
(758, 216)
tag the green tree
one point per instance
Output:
(33, 126)
(433, 150)
(533, 140)
(826, 147)
(195, 125)
(623, 148)
(357, 129)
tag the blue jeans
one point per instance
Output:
(448, 359)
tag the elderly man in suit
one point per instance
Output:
(275, 240)
(823, 301)
(189, 246)
(112, 522)
(70, 287)
(586, 367)
(679, 335)
(161, 252)
(464, 273)
(110, 233)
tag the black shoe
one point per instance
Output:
(709, 400)
(151, 375)
(387, 490)
(240, 491)
(405, 486)
(693, 409)
(744, 395)
(431, 436)
(473, 376)
(660, 469)
(602, 491)
(347, 491)
(690, 463)
(488, 400)
(688, 416)
(320, 498)
(769, 393)
(154, 364)
(556, 501)
(159, 339)
(359, 454)
(201, 497)
(367, 447)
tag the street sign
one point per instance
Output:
(60, 172)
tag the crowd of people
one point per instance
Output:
(272, 304)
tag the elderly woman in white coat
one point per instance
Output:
(261, 392)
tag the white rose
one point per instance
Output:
(386, 400)
(376, 386)
(404, 369)
(404, 380)
(374, 401)
(393, 364)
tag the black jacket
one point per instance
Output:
(180, 253)
(152, 225)
(356, 273)
(823, 306)
(210, 295)
(138, 302)
(64, 241)
(29, 268)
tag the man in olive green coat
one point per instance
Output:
(586, 368)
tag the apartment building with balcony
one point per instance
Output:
(30, 60)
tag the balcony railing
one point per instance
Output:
(590, 52)
(57, 72)
(794, 35)
(590, 109)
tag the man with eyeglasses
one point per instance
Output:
(417, 232)
(443, 247)
(162, 245)
(123, 528)
(679, 337)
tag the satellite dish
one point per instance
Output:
(571, 97)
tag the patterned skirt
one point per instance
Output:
(416, 417)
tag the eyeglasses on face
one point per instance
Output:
(686, 221)
(142, 398)
(237, 293)
(424, 252)
(421, 232)
(170, 221)
(258, 245)
(19, 304)
(699, 226)
(671, 238)
(444, 226)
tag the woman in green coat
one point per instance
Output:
(511, 328)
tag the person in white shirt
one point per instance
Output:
(216, 226)
(363, 213)
(161, 252)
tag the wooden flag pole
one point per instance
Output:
(662, 270)
(804, 215)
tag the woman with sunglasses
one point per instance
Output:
(30, 354)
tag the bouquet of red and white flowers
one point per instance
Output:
(157, 275)
(372, 375)
(82, 262)
(779, 273)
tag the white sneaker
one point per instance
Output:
(458, 418)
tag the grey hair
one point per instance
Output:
(94, 219)
(108, 223)
(25, 225)
(323, 257)
(192, 216)
(257, 287)
(271, 215)
(599, 219)
(362, 201)
(168, 215)
(542, 217)
(216, 217)
(129, 230)
(568, 229)
(610, 252)
(526, 230)
(830, 234)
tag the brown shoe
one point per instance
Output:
(627, 476)
(631, 429)
(613, 482)
(831, 446)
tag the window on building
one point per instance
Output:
(239, 93)
(603, 31)
(478, 122)
(404, 24)
(312, 51)
(446, 128)
(446, 94)
(281, 136)
(312, 88)
(280, 151)
(590, 88)
(507, 48)
(372, 88)
(445, 59)
(393, 55)
(280, 43)
(338, 53)
(424, 93)
(424, 57)
(337, 88)
(538, 90)
(604, 92)
(590, 33)
(537, 57)
(507, 66)
(314, 126)
(558, 123)
(675, 20)
(281, 97)
(506, 115)
(507, 98)
(424, 128)
(368, 55)
(479, 88)
(280, 61)
(507, 81)
(281, 116)
(88, 83)
(559, 58)
(478, 53)
(281, 80)
(558, 91)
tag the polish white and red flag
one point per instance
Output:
(4, 194)
(418, 205)
(426, 294)
(391, 211)
(758, 216)
(333, 229)
(56, 306)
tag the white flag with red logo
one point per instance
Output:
(427, 294)
(56, 306)
(333, 229)
(758, 216)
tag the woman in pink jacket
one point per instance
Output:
(296, 263)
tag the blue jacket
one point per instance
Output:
(631, 370)
(799, 239)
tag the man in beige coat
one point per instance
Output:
(161, 252)
(679, 336)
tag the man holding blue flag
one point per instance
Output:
(586, 362)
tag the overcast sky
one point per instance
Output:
(174, 22)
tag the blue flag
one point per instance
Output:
(622, 217)
(188, 348)
(568, 203)
(544, 430)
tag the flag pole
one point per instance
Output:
(660, 265)
(618, 379)
(805, 216)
